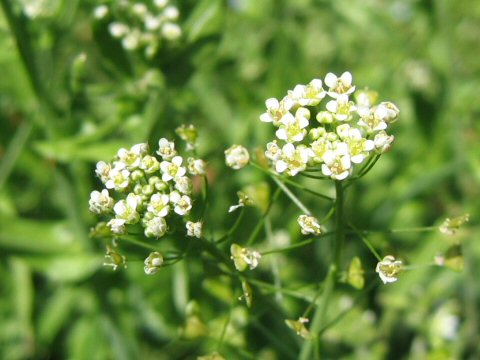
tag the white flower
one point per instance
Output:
(127, 209)
(341, 108)
(244, 257)
(117, 226)
(131, 40)
(118, 30)
(236, 157)
(194, 229)
(309, 225)
(100, 11)
(275, 111)
(388, 112)
(171, 31)
(358, 146)
(171, 13)
(337, 162)
(273, 151)
(103, 171)
(129, 158)
(166, 149)
(339, 85)
(152, 22)
(160, 3)
(292, 129)
(159, 205)
(196, 166)
(183, 184)
(388, 269)
(293, 159)
(308, 95)
(153, 263)
(139, 9)
(100, 202)
(173, 169)
(383, 141)
(118, 177)
(374, 119)
(182, 203)
(155, 227)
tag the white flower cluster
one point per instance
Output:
(326, 128)
(152, 190)
(141, 25)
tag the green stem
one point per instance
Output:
(319, 316)
(260, 223)
(233, 228)
(366, 242)
(295, 200)
(339, 225)
(290, 182)
(297, 245)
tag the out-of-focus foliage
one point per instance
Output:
(70, 95)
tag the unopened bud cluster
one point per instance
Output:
(149, 190)
(333, 128)
(141, 25)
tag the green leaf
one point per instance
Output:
(206, 19)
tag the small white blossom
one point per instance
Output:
(337, 163)
(118, 177)
(100, 11)
(196, 166)
(383, 142)
(273, 151)
(194, 229)
(308, 95)
(183, 184)
(182, 203)
(118, 30)
(341, 108)
(127, 209)
(275, 111)
(171, 31)
(117, 226)
(153, 263)
(309, 225)
(100, 202)
(292, 128)
(166, 149)
(388, 269)
(139, 9)
(103, 171)
(173, 169)
(155, 227)
(159, 205)
(450, 226)
(171, 13)
(129, 158)
(160, 3)
(131, 40)
(236, 157)
(339, 85)
(293, 159)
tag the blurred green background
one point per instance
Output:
(70, 96)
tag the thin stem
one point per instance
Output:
(320, 312)
(233, 228)
(366, 241)
(297, 245)
(260, 223)
(137, 242)
(290, 182)
(339, 224)
(292, 197)
(394, 231)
